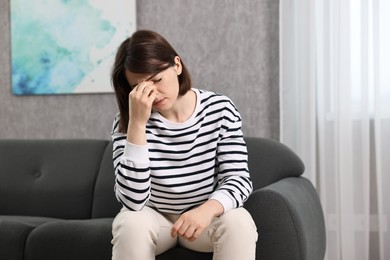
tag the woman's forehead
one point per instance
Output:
(136, 78)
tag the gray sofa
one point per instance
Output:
(57, 202)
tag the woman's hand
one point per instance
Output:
(141, 100)
(192, 223)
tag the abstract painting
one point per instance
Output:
(67, 46)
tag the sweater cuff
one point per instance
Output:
(136, 153)
(224, 199)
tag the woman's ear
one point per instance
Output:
(178, 66)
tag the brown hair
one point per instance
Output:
(145, 52)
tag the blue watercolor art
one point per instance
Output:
(67, 46)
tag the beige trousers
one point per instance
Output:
(141, 235)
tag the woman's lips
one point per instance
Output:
(158, 102)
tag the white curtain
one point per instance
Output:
(335, 113)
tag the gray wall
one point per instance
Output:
(229, 46)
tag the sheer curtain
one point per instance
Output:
(335, 113)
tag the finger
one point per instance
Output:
(148, 90)
(183, 229)
(189, 233)
(145, 93)
(196, 235)
(143, 85)
(175, 227)
(139, 88)
(145, 90)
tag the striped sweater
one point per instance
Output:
(185, 164)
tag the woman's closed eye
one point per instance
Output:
(157, 80)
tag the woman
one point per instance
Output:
(180, 159)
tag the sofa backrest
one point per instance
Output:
(74, 179)
(105, 203)
(49, 178)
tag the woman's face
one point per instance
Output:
(166, 83)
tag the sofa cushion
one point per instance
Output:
(49, 178)
(179, 253)
(70, 239)
(26, 220)
(14, 231)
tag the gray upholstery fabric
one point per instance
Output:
(13, 235)
(104, 203)
(25, 220)
(70, 239)
(180, 253)
(270, 161)
(14, 231)
(49, 178)
(289, 219)
(57, 202)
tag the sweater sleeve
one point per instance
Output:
(132, 171)
(234, 181)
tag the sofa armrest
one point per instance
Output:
(289, 219)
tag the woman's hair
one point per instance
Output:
(145, 52)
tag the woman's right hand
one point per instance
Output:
(141, 100)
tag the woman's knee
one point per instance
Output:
(135, 223)
(234, 235)
(238, 222)
(134, 234)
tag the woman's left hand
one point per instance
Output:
(192, 223)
